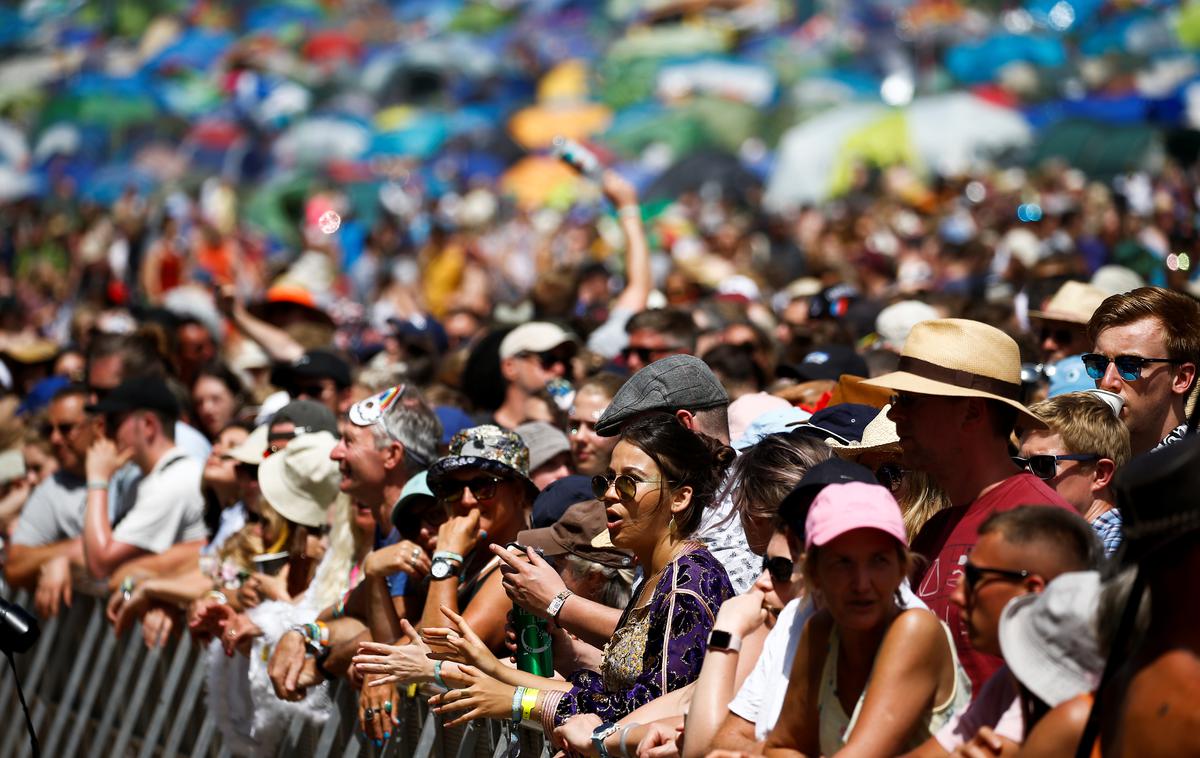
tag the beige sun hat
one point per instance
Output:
(879, 436)
(301, 481)
(1075, 302)
(253, 449)
(954, 357)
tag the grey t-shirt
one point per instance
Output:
(53, 512)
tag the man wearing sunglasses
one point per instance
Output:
(1018, 552)
(530, 356)
(656, 333)
(1145, 347)
(1077, 455)
(46, 542)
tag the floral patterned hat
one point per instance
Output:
(488, 448)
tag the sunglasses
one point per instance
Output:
(48, 429)
(551, 358)
(1046, 466)
(1061, 335)
(646, 354)
(625, 485)
(1129, 367)
(779, 568)
(890, 475)
(482, 488)
(972, 575)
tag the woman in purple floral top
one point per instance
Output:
(661, 478)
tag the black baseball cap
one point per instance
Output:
(143, 393)
(845, 422)
(828, 362)
(793, 509)
(307, 416)
(314, 364)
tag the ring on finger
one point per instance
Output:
(369, 714)
(387, 706)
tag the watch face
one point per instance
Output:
(440, 569)
(719, 638)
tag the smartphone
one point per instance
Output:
(578, 157)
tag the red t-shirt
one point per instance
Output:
(945, 541)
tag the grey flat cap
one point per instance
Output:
(677, 382)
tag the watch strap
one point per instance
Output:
(600, 734)
(719, 639)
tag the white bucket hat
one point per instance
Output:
(1049, 640)
(301, 481)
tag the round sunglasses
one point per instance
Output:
(625, 485)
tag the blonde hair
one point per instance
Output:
(347, 546)
(1086, 424)
(919, 498)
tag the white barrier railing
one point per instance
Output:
(93, 694)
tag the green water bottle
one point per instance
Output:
(534, 651)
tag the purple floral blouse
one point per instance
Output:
(656, 649)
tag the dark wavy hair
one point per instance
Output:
(685, 459)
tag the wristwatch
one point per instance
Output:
(557, 603)
(600, 734)
(719, 639)
(442, 566)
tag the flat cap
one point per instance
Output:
(677, 382)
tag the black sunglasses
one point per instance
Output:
(646, 354)
(1061, 335)
(551, 358)
(625, 485)
(48, 429)
(482, 488)
(1046, 466)
(779, 568)
(1129, 367)
(972, 574)
(890, 475)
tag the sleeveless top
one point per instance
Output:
(836, 726)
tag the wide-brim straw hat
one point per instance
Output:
(879, 437)
(954, 357)
(1074, 303)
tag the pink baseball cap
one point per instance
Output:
(841, 508)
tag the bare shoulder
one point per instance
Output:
(915, 624)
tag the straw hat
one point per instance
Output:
(954, 357)
(879, 437)
(1075, 302)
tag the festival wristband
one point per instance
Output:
(528, 701)
(437, 675)
(624, 735)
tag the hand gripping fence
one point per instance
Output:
(93, 694)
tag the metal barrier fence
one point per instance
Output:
(92, 693)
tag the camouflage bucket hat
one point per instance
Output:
(488, 448)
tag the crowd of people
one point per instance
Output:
(859, 513)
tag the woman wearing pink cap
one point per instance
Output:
(869, 677)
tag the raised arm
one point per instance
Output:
(275, 342)
(638, 280)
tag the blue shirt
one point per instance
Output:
(1108, 528)
(399, 580)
